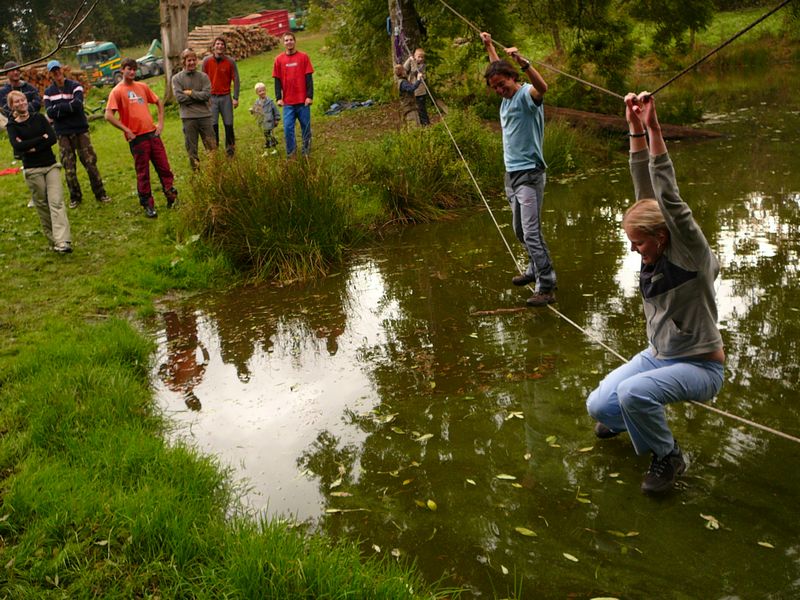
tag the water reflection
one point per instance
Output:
(395, 404)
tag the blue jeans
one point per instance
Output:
(525, 193)
(632, 397)
(292, 113)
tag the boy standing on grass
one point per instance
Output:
(522, 122)
(130, 99)
(63, 102)
(267, 116)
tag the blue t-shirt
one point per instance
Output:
(522, 120)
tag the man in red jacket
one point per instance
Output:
(222, 71)
(294, 91)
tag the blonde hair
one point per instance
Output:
(645, 216)
(186, 54)
(15, 94)
(259, 85)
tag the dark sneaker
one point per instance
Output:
(172, 196)
(523, 279)
(75, 203)
(104, 200)
(603, 432)
(541, 298)
(663, 472)
(63, 248)
(150, 212)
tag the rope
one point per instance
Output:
(720, 47)
(607, 91)
(589, 335)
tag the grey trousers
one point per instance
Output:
(525, 193)
(48, 195)
(193, 129)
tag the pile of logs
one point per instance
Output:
(39, 78)
(241, 40)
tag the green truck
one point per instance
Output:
(101, 62)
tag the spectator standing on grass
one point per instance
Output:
(294, 91)
(407, 99)
(267, 116)
(63, 102)
(522, 122)
(130, 99)
(32, 137)
(15, 83)
(224, 75)
(415, 72)
(192, 89)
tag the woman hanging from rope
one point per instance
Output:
(684, 360)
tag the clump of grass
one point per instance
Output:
(418, 174)
(275, 218)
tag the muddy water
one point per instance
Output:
(400, 403)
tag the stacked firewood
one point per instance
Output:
(39, 78)
(241, 40)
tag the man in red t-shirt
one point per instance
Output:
(130, 99)
(294, 91)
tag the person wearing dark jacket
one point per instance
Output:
(63, 102)
(15, 83)
(32, 137)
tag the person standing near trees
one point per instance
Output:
(32, 137)
(130, 99)
(685, 356)
(294, 91)
(415, 73)
(15, 83)
(192, 89)
(407, 98)
(522, 122)
(63, 102)
(224, 74)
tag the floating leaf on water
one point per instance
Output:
(616, 533)
(555, 445)
(333, 511)
(505, 476)
(407, 481)
(398, 430)
(569, 556)
(525, 531)
(376, 547)
(711, 522)
(516, 485)
(605, 598)
(395, 473)
(504, 570)
(424, 437)
(413, 463)
(632, 534)
(432, 384)
(584, 500)
(341, 494)
(386, 418)
(613, 474)
(431, 505)
(473, 335)
(335, 484)
(419, 503)
(527, 456)
(766, 544)
(550, 439)
(586, 449)
(396, 552)
(471, 482)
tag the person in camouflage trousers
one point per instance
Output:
(63, 102)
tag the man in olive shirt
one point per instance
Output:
(192, 89)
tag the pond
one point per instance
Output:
(398, 402)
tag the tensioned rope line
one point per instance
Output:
(588, 334)
(718, 48)
(614, 94)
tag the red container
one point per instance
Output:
(276, 22)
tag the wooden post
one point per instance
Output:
(174, 33)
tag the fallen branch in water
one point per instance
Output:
(497, 311)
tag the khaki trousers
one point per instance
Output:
(48, 195)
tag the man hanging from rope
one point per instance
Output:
(522, 121)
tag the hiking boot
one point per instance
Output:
(523, 279)
(103, 200)
(150, 211)
(603, 432)
(172, 196)
(663, 472)
(63, 248)
(541, 298)
(75, 203)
